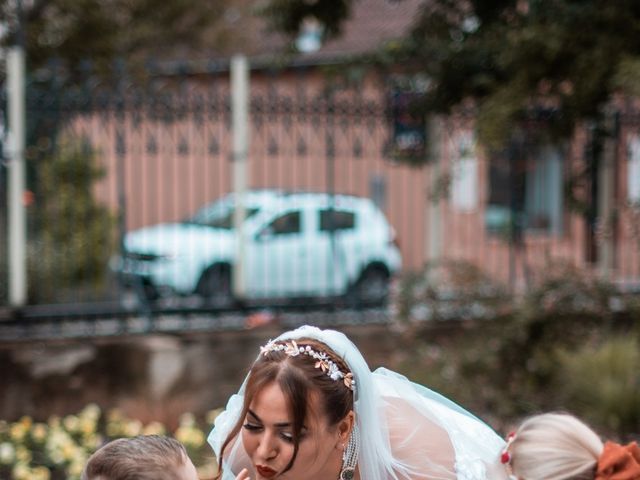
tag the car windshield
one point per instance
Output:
(218, 216)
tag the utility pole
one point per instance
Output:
(240, 128)
(17, 236)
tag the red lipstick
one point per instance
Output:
(265, 472)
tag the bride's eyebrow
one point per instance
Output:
(257, 419)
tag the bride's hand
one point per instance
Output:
(243, 475)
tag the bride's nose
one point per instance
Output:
(268, 447)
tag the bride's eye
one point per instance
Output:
(252, 427)
(286, 436)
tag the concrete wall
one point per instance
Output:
(149, 378)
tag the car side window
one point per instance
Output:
(286, 224)
(336, 220)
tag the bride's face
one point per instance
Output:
(267, 436)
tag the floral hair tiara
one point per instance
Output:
(323, 361)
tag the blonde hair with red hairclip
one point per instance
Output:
(554, 446)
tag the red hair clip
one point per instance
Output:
(505, 457)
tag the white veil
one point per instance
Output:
(406, 430)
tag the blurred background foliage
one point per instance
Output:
(73, 31)
(601, 380)
(71, 230)
(571, 343)
(511, 60)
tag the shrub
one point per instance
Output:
(603, 382)
(505, 366)
(566, 289)
(448, 290)
(72, 234)
(59, 448)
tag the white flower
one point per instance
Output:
(334, 372)
(7, 453)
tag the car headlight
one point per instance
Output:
(171, 256)
(152, 257)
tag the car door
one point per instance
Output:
(278, 256)
(334, 231)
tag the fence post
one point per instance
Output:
(606, 196)
(240, 129)
(17, 241)
(434, 225)
(330, 158)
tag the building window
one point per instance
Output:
(506, 187)
(526, 194)
(543, 192)
(408, 130)
(408, 121)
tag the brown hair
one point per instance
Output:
(146, 457)
(297, 377)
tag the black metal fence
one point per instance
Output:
(106, 160)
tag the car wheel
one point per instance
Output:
(372, 288)
(150, 292)
(215, 287)
(144, 289)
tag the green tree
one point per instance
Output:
(513, 59)
(100, 30)
(67, 225)
(532, 72)
(74, 234)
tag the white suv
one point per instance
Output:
(296, 245)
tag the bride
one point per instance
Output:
(310, 408)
